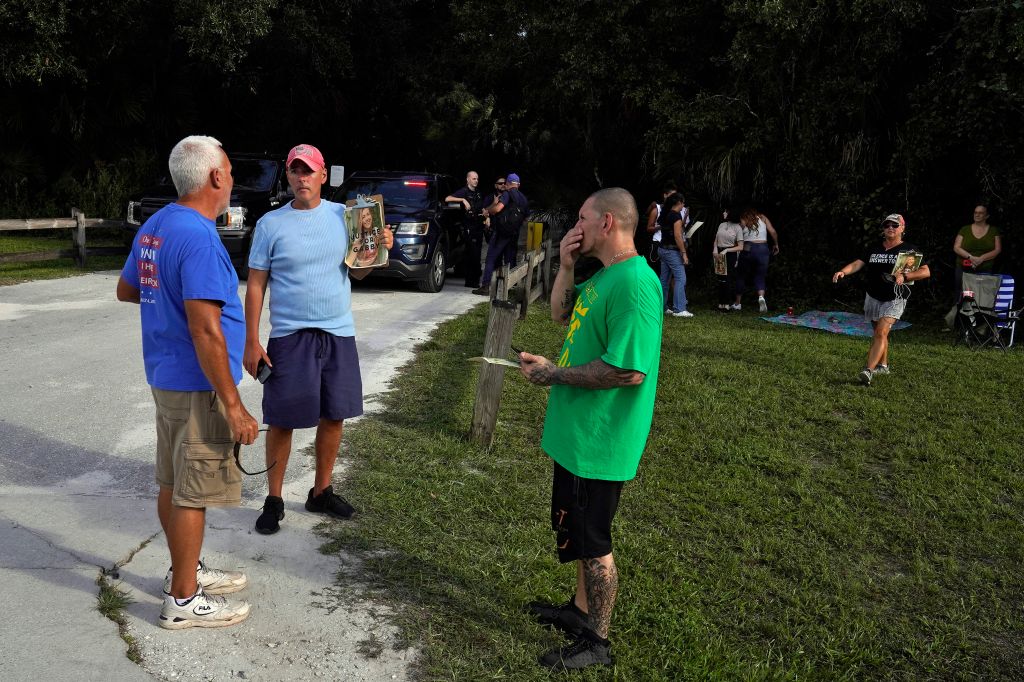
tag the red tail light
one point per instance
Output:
(415, 183)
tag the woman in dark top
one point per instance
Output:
(885, 293)
(976, 246)
(672, 253)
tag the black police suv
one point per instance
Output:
(260, 186)
(428, 233)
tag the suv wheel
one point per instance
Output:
(434, 280)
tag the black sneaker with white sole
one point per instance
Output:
(327, 502)
(566, 617)
(273, 511)
(582, 652)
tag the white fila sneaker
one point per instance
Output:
(213, 580)
(202, 611)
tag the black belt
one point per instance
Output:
(673, 247)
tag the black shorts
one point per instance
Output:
(582, 510)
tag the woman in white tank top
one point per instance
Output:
(754, 260)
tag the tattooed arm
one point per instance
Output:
(563, 295)
(597, 374)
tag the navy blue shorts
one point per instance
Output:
(582, 510)
(315, 376)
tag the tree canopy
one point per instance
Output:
(827, 115)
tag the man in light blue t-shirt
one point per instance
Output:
(299, 251)
(192, 335)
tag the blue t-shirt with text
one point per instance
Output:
(177, 256)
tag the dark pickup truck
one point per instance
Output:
(260, 186)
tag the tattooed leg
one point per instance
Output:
(602, 581)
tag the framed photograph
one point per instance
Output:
(364, 219)
(721, 264)
(907, 261)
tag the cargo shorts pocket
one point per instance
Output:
(171, 406)
(210, 471)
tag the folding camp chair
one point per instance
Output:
(1006, 316)
(977, 318)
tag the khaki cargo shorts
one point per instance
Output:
(195, 450)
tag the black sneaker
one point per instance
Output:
(329, 503)
(566, 617)
(482, 291)
(582, 652)
(273, 511)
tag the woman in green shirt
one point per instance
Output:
(976, 246)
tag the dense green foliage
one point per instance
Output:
(828, 115)
(786, 522)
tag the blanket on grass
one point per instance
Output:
(852, 324)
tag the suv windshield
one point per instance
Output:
(252, 174)
(397, 192)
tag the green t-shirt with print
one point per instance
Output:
(601, 433)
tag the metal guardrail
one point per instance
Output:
(77, 222)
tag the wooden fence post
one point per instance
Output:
(78, 237)
(501, 284)
(531, 267)
(497, 344)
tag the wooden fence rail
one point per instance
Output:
(537, 266)
(77, 222)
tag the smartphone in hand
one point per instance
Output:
(263, 371)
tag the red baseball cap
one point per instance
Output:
(307, 154)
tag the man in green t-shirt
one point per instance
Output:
(599, 411)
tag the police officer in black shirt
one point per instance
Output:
(472, 226)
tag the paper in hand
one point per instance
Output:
(497, 361)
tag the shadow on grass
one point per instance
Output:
(439, 378)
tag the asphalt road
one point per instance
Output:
(77, 491)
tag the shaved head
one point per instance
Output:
(620, 204)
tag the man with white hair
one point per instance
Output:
(193, 334)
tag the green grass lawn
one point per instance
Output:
(786, 523)
(48, 240)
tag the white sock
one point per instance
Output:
(183, 602)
